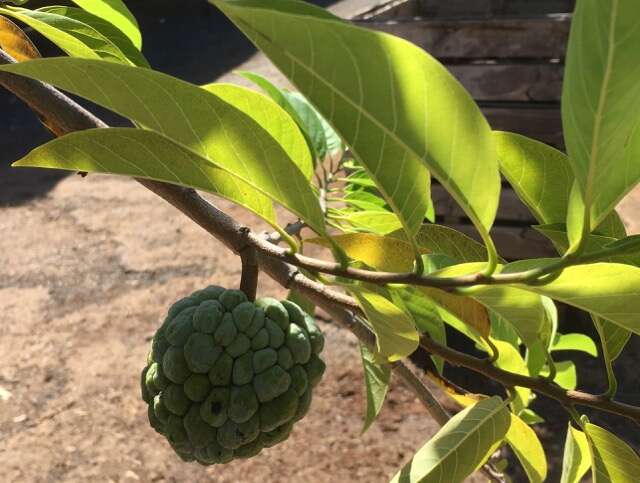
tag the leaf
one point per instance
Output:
(396, 335)
(425, 314)
(105, 28)
(67, 34)
(15, 42)
(145, 154)
(612, 291)
(600, 102)
(531, 417)
(525, 444)
(566, 376)
(576, 460)
(509, 359)
(461, 308)
(371, 87)
(117, 13)
(380, 223)
(613, 461)
(558, 235)
(540, 175)
(376, 378)
(575, 342)
(271, 118)
(306, 117)
(380, 252)
(206, 123)
(442, 239)
(461, 445)
(543, 178)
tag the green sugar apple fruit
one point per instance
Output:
(226, 377)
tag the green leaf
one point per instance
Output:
(509, 359)
(576, 460)
(612, 460)
(117, 13)
(379, 223)
(74, 38)
(531, 417)
(525, 444)
(106, 29)
(376, 378)
(566, 376)
(396, 335)
(608, 290)
(575, 342)
(371, 87)
(206, 123)
(145, 154)
(600, 102)
(272, 119)
(425, 315)
(461, 446)
(543, 178)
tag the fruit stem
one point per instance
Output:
(250, 270)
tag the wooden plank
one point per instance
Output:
(488, 8)
(541, 123)
(511, 82)
(398, 9)
(542, 37)
(514, 243)
(510, 210)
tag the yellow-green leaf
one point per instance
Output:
(117, 13)
(105, 28)
(208, 124)
(509, 359)
(612, 460)
(376, 378)
(145, 154)
(600, 103)
(461, 446)
(396, 334)
(576, 460)
(401, 112)
(525, 444)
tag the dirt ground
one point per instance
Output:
(88, 268)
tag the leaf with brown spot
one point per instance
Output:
(15, 42)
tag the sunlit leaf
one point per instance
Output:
(145, 154)
(612, 460)
(206, 123)
(600, 103)
(376, 378)
(117, 13)
(15, 42)
(396, 335)
(371, 86)
(74, 38)
(575, 342)
(566, 376)
(461, 445)
(509, 359)
(576, 460)
(107, 29)
(525, 444)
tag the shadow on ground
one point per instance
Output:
(192, 41)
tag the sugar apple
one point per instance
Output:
(226, 377)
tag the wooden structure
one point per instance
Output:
(509, 54)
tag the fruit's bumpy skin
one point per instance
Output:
(226, 377)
